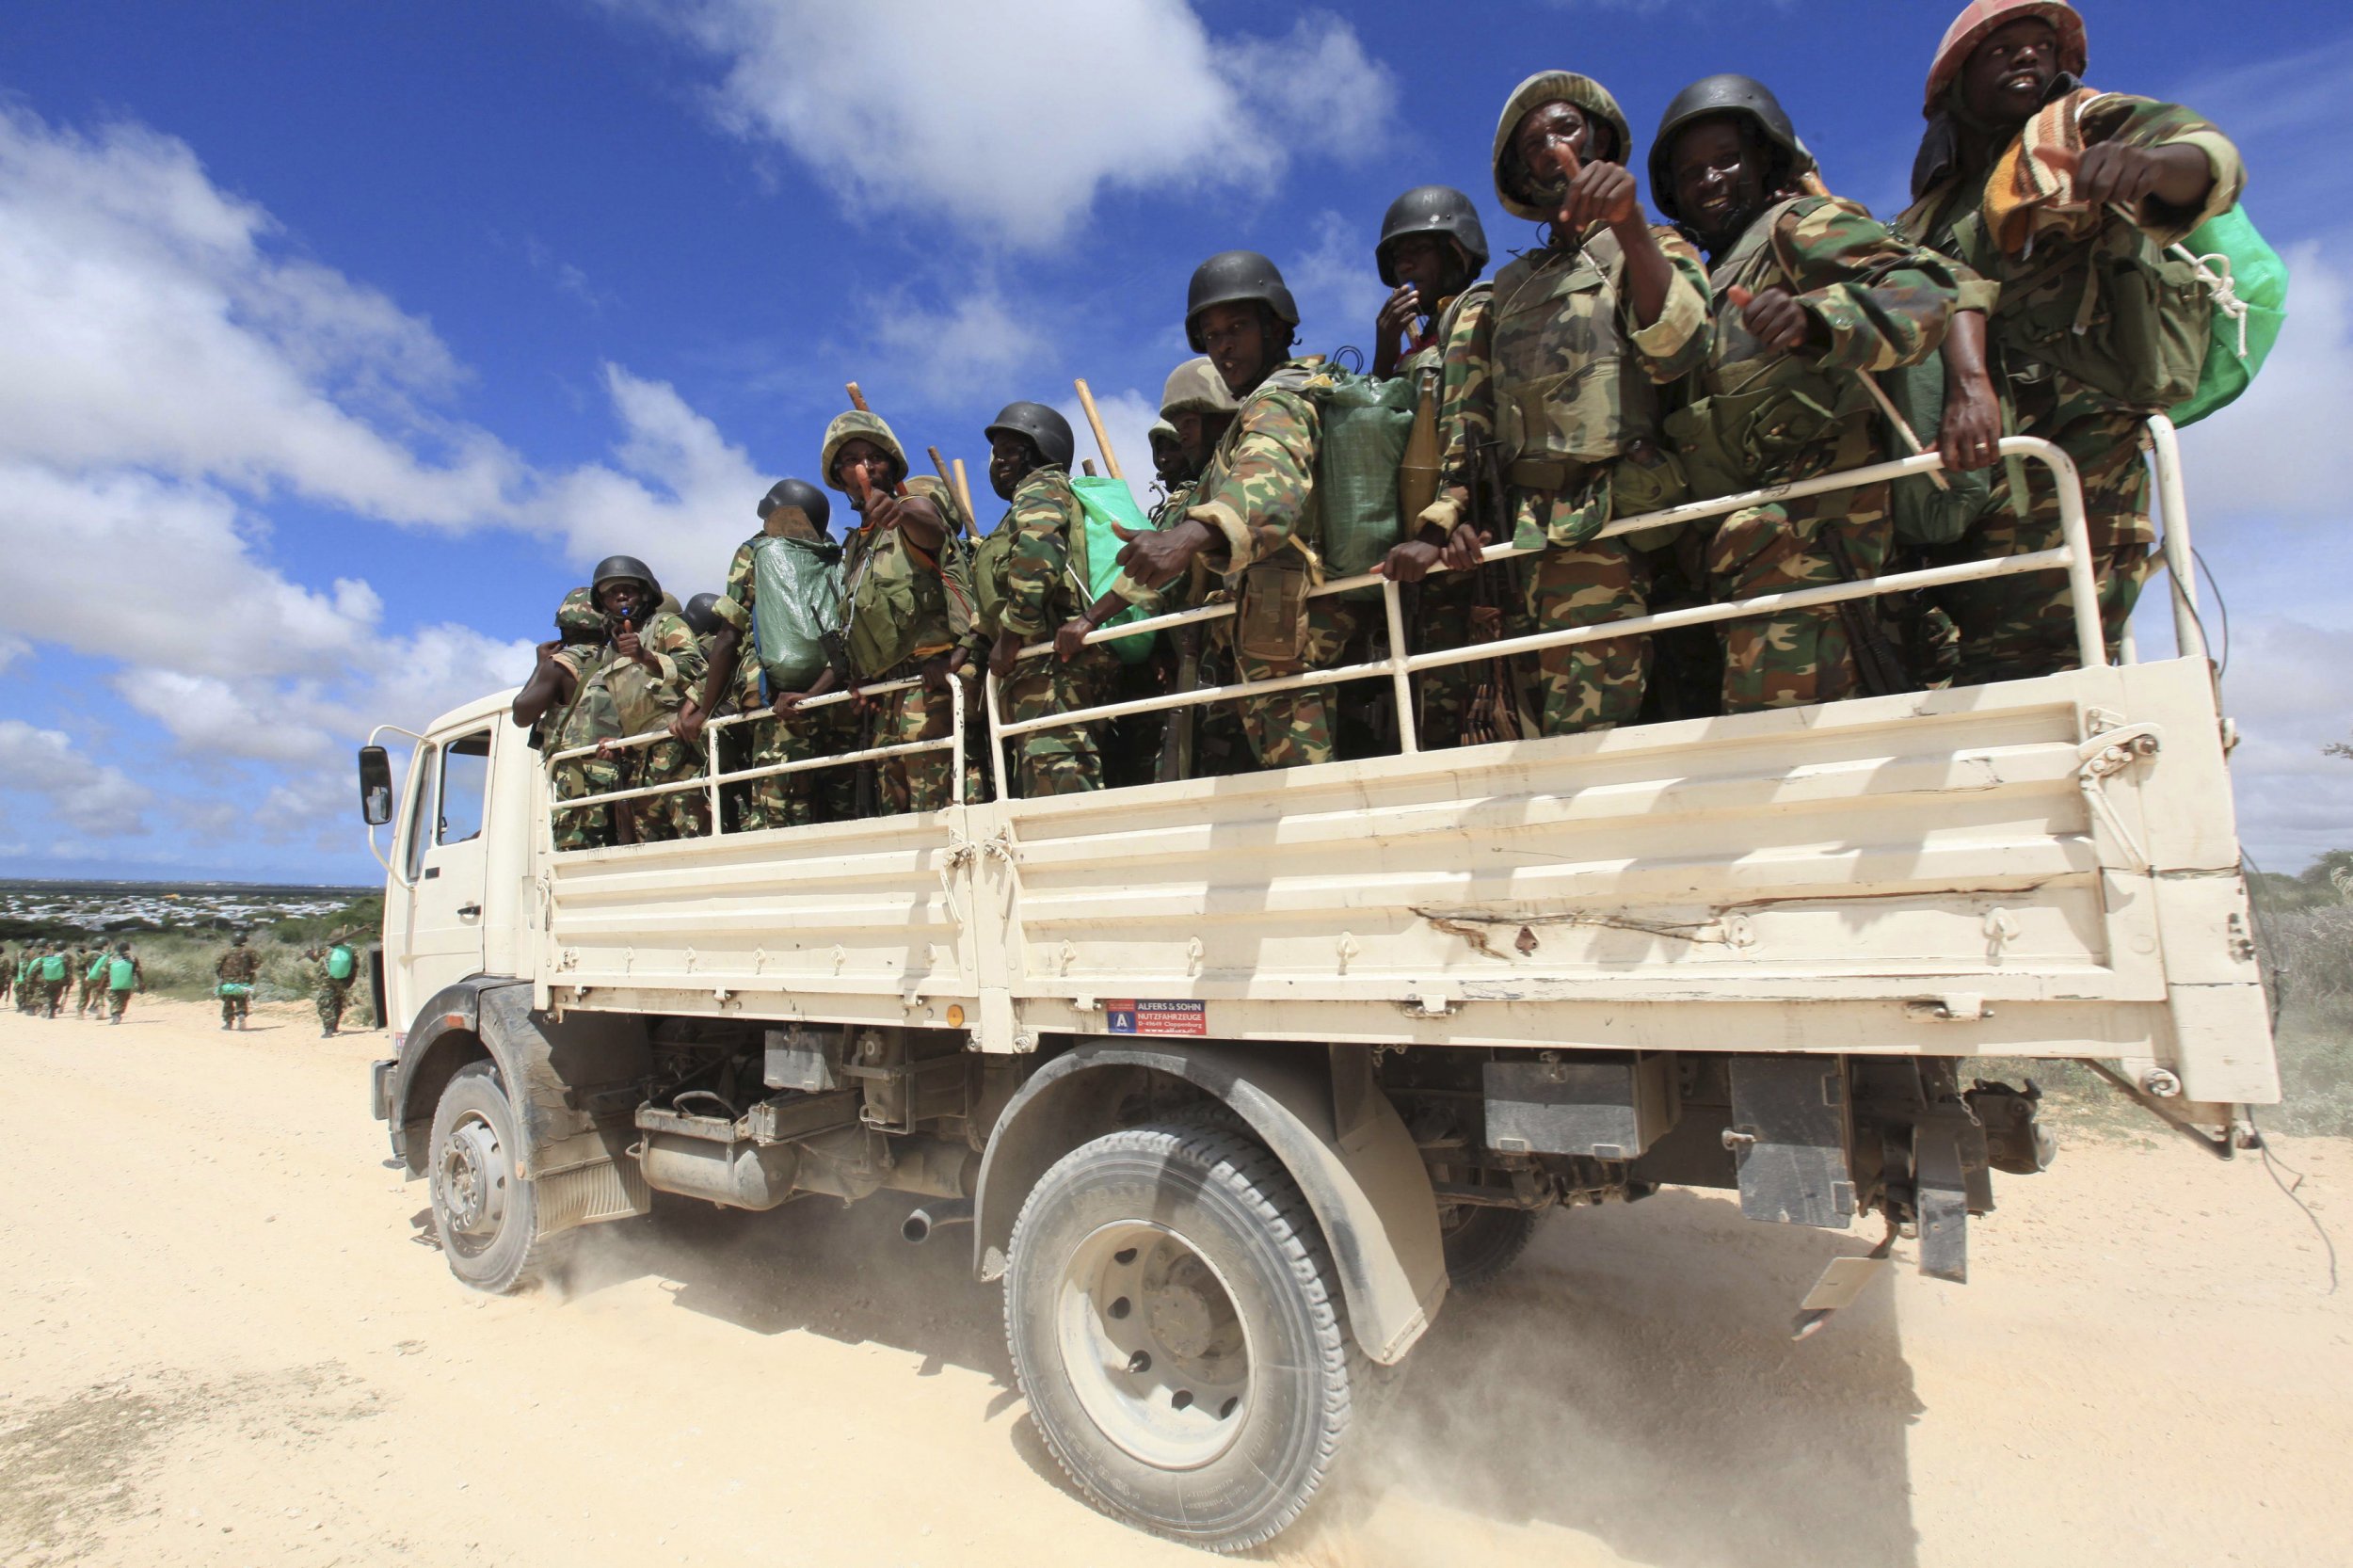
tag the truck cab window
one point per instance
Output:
(465, 782)
(421, 810)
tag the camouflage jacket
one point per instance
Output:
(901, 603)
(1042, 583)
(238, 964)
(1949, 215)
(1880, 301)
(1258, 491)
(642, 699)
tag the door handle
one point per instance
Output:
(470, 911)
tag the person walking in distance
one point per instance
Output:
(123, 976)
(235, 972)
(330, 987)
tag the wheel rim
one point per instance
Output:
(472, 1183)
(1152, 1344)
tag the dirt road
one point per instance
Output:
(224, 1339)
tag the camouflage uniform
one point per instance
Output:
(1256, 495)
(903, 609)
(119, 992)
(2015, 627)
(618, 698)
(86, 988)
(1765, 417)
(239, 966)
(1040, 590)
(328, 993)
(1444, 602)
(1558, 379)
(792, 799)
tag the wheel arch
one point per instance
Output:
(1316, 1112)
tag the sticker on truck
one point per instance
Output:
(1157, 1017)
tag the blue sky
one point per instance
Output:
(335, 341)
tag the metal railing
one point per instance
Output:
(2073, 555)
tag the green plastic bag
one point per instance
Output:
(122, 974)
(339, 962)
(2249, 285)
(53, 966)
(797, 600)
(1106, 501)
(232, 988)
(1367, 423)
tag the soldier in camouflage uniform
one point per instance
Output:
(635, 683)
(794, 514)
(908, 607)
(1811, 295)
(1037, 581)
(329, 995)
(239, 966)
(1552, 403)
(125, 978)
(1251, 516)
(1432, 250)
(1168, 455)
(87, 994)
(2146, 174)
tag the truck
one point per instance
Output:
(1232, 1078)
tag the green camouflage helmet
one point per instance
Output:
(852, 426)
(1162, 431)
(1196, 388)
(578, 620)
(1581, 93)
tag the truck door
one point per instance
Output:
(445, 863)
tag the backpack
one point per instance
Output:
(1366, 425)
(53, 966)
(339, 961)
(2248, 285)
(121, 973)
(97, 968)
(1095, 555)
(796, 601)
(1917, 508)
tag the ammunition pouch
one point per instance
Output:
(1270, 625)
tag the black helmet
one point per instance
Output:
(700, 614)
(615, 569)
(1048, 431)
(801, 493)
(1232, 276)
(1432, 209)
(1742, 96)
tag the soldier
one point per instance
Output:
(1431, 250)
(337, 964)
(638, 681)
(1040, 570)
(1168, 455)
(123, 976)
(907, 607)
(2066, 197)
(57, 974)
(1552, 410)
(797, 564)
(8, 973)
(235, 972)
(1811, 295)
(91, 968)
(1252, 514)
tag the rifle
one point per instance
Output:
(1492, 711)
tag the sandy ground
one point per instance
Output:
(226, 1338)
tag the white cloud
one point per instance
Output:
(975, 338)
(1337, 285)
(84, 795)
(2271, 453)
(1010, 119)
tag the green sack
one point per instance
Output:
(53, 966)
(797, 600)
(232, 988)
(1106, 501)
(1917, 509)
(1367, 423)
(339, 957)
(2249, 285)
(97, 968)
(120, 974)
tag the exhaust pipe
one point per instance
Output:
(935, 1216)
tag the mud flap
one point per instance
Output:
(1789, 1140)
(1950, 1182)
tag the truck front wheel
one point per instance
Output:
(487, 1216)
(1176, 1326)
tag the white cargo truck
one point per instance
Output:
(1232, 1075)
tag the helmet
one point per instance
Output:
(618, 569)
(238, 940)
(800, 493)
(578, 620)
(1196, 388)
(1162, 431)
(1432, 209)
(1980, 19)
(700, 615)
(1741, 96)
(1552, 87)
(853, 426)
(1047, 430)
(1230, 276)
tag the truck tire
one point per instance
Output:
(487, 1217)
(1481, 1243)
(1176, 1326)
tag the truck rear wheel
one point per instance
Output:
(1481, 1243)
(487, 1216)
(1176, 1326)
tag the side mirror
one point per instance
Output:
(376, 786)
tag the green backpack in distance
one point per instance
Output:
(121, 973)
(339, 959)
(53, 966)
(2249, 285)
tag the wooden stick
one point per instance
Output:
(964, 493)
(1086, 465)
(1102, 441)
(971, 527)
